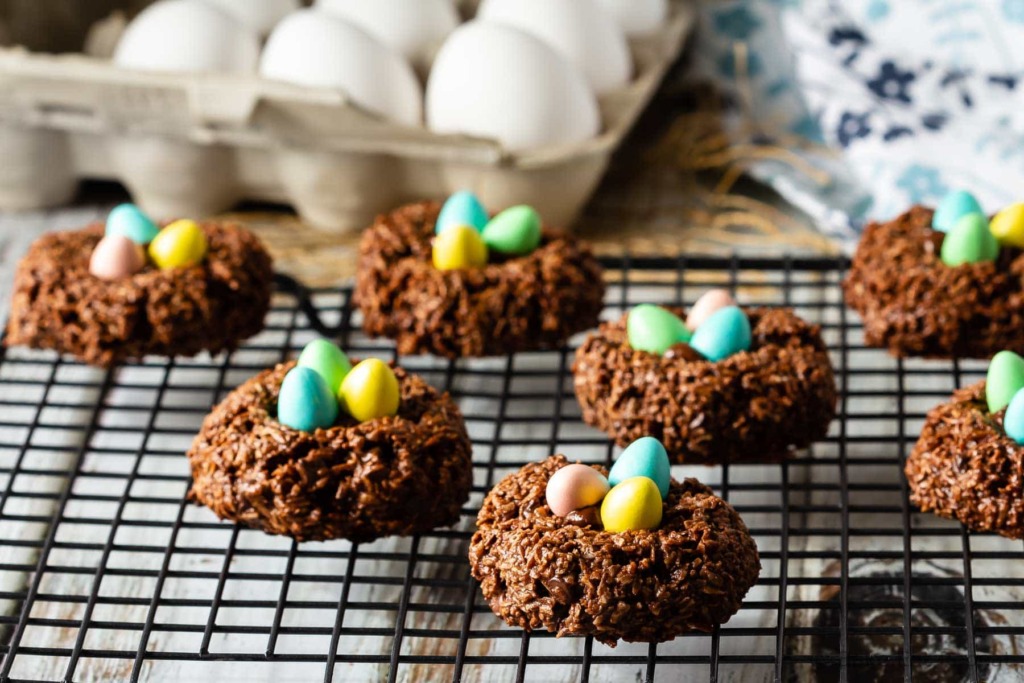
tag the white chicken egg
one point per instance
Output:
(582, 30)
(495, 81)
(415, 28)
(259, 15)
(638, 17)
(313, 48)
(187, 35)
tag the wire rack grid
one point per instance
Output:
(108, 573)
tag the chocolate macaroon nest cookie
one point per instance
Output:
(513, 304)
(965, 467)
(539, 571)
(58, 304)
(389, 476)
(913, 304)
(756, 405)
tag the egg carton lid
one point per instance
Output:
(77, 93)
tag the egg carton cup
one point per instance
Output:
(194, 145)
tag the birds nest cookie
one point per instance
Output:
(968, 463)
(942, 284)
(108, 293)
(728, 384)
(455, 283)
(623, 555)
(318, 449)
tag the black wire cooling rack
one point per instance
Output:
(108, 573)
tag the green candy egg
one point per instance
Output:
(1005, 378)
(969, 241)
(654, 329)
(326, 360)
(513, 231)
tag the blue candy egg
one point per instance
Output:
(462, 208)
(1013, 420)
(953, 207)
(726, 332)
(305, 402)
(128, 221)
(645, 457)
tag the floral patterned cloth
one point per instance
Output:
(917, 97)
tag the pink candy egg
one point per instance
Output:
(574, 487)
(708, 303)
(115, 257)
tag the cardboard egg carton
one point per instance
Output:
(193, 145)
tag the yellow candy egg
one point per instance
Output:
(458, 248)
(369, 391)
(1008, 225)
(632, 505)
(179, 245)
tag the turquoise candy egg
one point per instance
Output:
(129, 221)
(462, 208)
(1013, 421)
(305, 402)
(654, 329)
(969, 241)
(725, 333)
(1004, 379)
(645, 457)
(328, 361)
(514, 231)
(952, 208)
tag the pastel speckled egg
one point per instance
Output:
(459, 248)
(575, 487)
(952, 208)
(128, 220)
(632, 505)
(370, 391)
(709, 302)
(1004, 379)
(328, 361)
(462, 208)
(1008, 226)
(514, 231)
(654, 329)
(305, 403)
(115, 257)
(725, 333)
(179, 245)
(645, 457)
(1013, 420)
(969, 241)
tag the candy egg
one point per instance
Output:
(645, 457)
(369, 391)
(952, 208)
(115, 257)
(654, 329)
(711, 301)
(326, 360)
(513, 231)
(1004, 379)
(179, 245)
(575, 487)
(129, 221)
(632, 505)
(305, 403)
(459, 248)
(723, 334)
(1013, 420)
(462, 208)
(1008, 226)
(969, 241)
